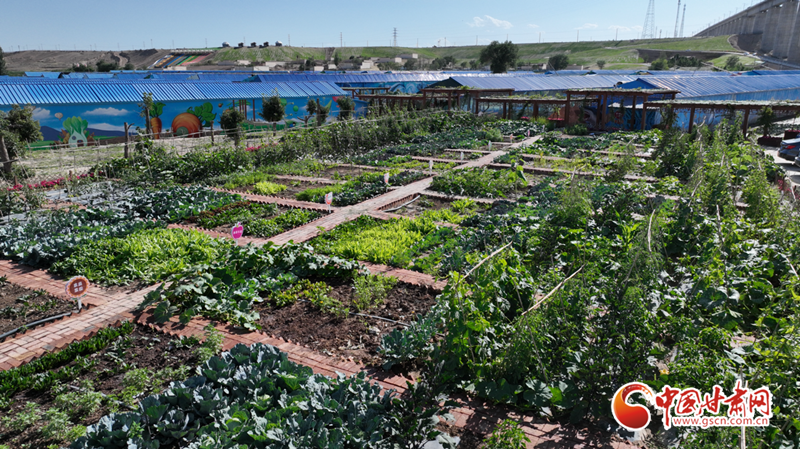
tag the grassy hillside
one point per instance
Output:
(584, 53)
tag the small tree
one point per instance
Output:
(3, 69)
(129, 66)
(17, 129)
(231, 123)
(311, 109)
(766, 120)
(601, 63)
(336, 59)
(659, 64)
(500, 56)
(346, 107)
(389, 66)
(322, 113)
(732, 63)
(559, 62)
(144, 110)
(411, 64)
(272, 111)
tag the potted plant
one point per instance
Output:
(766, 120)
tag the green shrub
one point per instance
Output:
(211, 346)
(508, 435)
(578, 129)
(269, 188)
(281, 223)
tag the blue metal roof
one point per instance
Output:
(121, 92)
(711, 86)
(51, 75)
(540, 83)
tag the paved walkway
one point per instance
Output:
(108, 308)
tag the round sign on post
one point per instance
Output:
(237, 231)
(386, 178)
(77, 287)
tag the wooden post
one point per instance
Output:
(644, 114)
(535, 110)
(127, 140)
(567, 110)
(4, 157)
(632, 123)
(691, 120)
(744, 123)
(212, 132)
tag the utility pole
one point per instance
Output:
(395, 37)
(540, 37)
(341, 42)
(616, 37)
(579, 36)
(677, 18)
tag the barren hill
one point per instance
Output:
(51, 60)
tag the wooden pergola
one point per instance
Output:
(355, 91)
(605, 97)
(393, 100)
(508, 101)
(456, 94)
(730, 106)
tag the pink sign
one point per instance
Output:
(386, 178)
(237, 231)
(329, 198)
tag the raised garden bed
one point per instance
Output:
(428, 203)
(258, 219)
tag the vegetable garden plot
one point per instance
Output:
(339, 172)
(658, 291)
(408, 163)
(423, 204)
(42, 238)
(402, 243)
(259, 220)
(255, 397)
(20, 306)
(51, 400)
(321, 315)
(583, 162)
(482, 183)
(364, 187)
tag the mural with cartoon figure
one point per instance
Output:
(78, 125)
(75, 132)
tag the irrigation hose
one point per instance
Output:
(403, 205)
(38, 322)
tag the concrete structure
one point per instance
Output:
(770, 27)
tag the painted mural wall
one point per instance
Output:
(90, 124)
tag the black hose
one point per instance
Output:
(36, 323)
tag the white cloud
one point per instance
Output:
(500, 23)
(619, 27)
(106, 127)
(477, 22)
(41, 114)
(587, 26)
(637, 28)
(112, 112)
(531, 25)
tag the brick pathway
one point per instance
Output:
(107, 308)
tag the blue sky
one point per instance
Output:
(111, 24)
